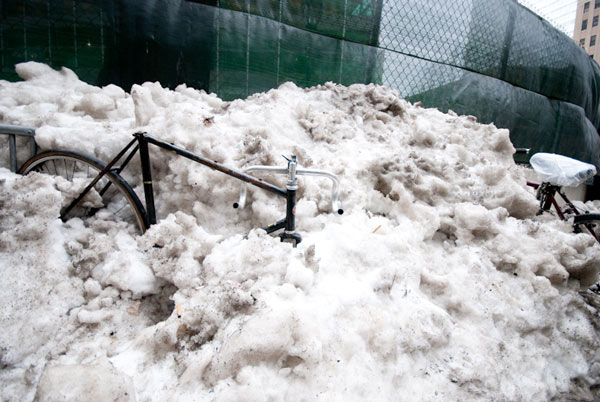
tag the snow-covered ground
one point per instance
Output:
(438, 283)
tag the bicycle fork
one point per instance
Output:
(288, 224)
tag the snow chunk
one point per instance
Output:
(439, 279)
(125, 269)
(85, 382)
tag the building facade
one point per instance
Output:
(587, 27)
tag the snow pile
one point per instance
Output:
(437, 283)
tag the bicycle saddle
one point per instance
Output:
(561, 170)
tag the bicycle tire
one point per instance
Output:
(590, 221)
(111, 193)
(586, 218)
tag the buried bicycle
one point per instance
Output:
(556, 172)
(91, 186)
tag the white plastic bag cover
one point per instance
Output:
(561, 170)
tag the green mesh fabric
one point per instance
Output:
(495, 60)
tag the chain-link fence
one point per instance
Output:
(492, 59)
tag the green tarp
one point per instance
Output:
(495, 60)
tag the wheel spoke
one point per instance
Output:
(80, 170)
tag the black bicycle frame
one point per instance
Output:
(547, 196)
(142, 139)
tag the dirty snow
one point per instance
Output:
(437, 283)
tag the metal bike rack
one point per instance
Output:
(13, 132)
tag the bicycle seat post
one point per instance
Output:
(290, 213)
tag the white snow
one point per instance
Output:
(437, 283)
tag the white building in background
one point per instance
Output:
(587, 27)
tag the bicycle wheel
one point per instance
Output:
(74, 171)
(589, 221)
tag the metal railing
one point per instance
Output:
(13, 132)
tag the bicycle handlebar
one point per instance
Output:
(335, 202)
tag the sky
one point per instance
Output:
(561, 13)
